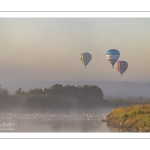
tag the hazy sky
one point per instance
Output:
(49, 48)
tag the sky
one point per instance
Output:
(49, 49)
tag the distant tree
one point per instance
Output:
(91, 91)
(56, 87)
(20, 92)
(3, 92)
(56, 91)
(63, 96)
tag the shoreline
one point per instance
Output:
(130, 119)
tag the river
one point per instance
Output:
(55, 121)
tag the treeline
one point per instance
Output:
(57, 96)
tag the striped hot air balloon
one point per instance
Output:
(121, 66)
(85, 58)
(112, 55)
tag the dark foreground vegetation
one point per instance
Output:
(131, 119)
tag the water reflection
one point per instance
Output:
(54, 122)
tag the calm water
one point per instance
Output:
(83, 121)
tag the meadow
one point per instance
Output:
(135, 118)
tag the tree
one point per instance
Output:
(20, 92)
(3, 92)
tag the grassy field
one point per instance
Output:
(131, 119)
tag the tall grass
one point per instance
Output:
(134, 118)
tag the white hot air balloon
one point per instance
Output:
(85, 58)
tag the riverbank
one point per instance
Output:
(130, 119)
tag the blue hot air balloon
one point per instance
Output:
(112, 55)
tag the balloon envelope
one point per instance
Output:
(85, 58)
(112, 55)
(121, 66)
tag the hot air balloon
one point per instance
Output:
(121, 66)
(112, 55)
(85, 58)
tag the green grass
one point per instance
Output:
(134, 118)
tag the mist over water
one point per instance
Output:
(56, 120)
(23, 116)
